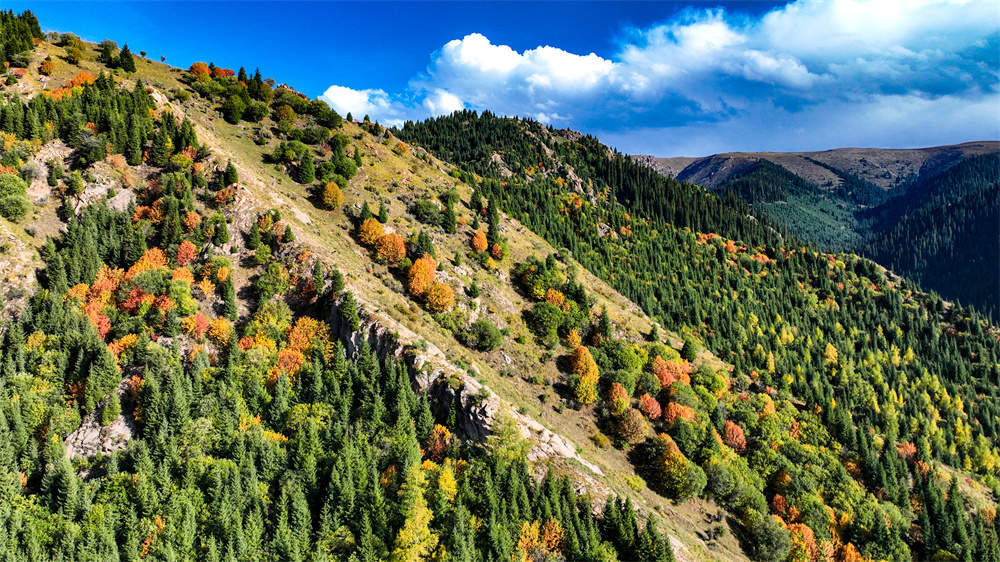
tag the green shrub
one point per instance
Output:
(13, 197)
(484, 335)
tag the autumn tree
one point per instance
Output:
(735, 437)
(331, 196)
(618, 399)
(415, 541)
(631, 426)
(586, 375)
(390, 249)
(680, 477)
(370, 231)
(649, 406)
(421, 275)
(186, 252)
(439, 297)
(479, 241)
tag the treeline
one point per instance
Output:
(470, 140)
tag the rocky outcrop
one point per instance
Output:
(92, 438)
(476, 407)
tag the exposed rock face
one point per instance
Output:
(476, 408)
(91, 437)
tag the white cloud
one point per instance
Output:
(361, 102)
(867, 69)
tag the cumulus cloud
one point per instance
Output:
(869, 71)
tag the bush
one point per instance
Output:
(13, 197)
(483, 335)
(426, 212)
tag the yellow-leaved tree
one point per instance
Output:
(440, 297)
(415, 541)
(585, 368)
(370, 231)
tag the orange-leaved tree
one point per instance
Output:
(479, 243)
(390, 249)
(735, 437)
(650, 406)
(421, 275)
(370, 231)
(199, 68)
(191, 221)
(186, 252)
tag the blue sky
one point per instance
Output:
(663, 78)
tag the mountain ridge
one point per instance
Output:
(884, 167)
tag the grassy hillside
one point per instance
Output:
(204, 347)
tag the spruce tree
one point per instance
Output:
(336, 282)
(366, 212)
(448, 221)
(318, 280)
(383, 213)
(230, 176)
(492, 222)
(125, 60)
(229, 308)
(307, 170)
(253, 237)
(349, 312)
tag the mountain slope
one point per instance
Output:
(856, 199)
(198, 309)
(278, 335)
(833, 339)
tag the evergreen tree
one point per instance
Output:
(366, 213)
(307, 170)
(253, 237)
(336, 282)
(448, 220)
(230, 175)
(383, 213)
(492, 222)
(229, 308)
(349, 312)
(126, 61)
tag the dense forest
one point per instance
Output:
(250, 437)
(939, 231)
(889, 381)
(945, 233)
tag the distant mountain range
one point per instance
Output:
(929, 214)
(887, 168)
